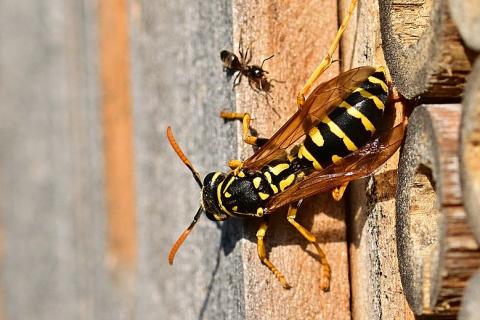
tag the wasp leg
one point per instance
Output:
(337, 193)
(292, 213)
(262, 230)
(246, 119)
(327, 60)
(234, 164)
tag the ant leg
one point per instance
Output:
(246, 119)
(262, 230)
(292, 213)
(327, 60)
(337, 193)
(239, 78)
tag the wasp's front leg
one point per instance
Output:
(246, 119)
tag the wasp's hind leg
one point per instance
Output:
(246, 119)
(292, 213)
(262, 230)
(327, 60)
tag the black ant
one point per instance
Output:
(256, 75)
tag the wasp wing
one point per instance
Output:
(361, 163)
(326, 97)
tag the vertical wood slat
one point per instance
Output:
(178, 81)
(51, 164)
(375, 280)
(299, 34)
(118, 134)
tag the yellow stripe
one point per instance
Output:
(336, 158)
(316, 136)
(339, 133)
(227, 195)
(215, 176)
(263, 196)
(372, 79)
(229, 183)
(241, 174)
(287, 182)
(256, 182)
(279, 168)
(364, 93)
(303, 152)
(260, 212)
(219, 198)
(357, 114)
(274, 188)
(268, 176)
(235, 208)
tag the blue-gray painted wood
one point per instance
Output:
(51, 164)
(178, 81)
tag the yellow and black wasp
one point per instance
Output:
(331, 139)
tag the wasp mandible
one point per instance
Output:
(337, 141)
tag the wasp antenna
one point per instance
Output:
(183, 157)
(183, 236)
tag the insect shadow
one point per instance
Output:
(280, 233)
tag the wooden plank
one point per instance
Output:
(376, 286)
(437, 250)
(118, 141)
(423, 49)
(51, 180)
(299, 34)
(178, 80)
(466, 16)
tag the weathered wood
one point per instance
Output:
(52, 198)
(466, 15)
(299, 34)
(436, 249)
(375, 281)
(423, 49)
(470, 150)
(471, 299)
(178, 81)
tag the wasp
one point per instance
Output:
(331, 140)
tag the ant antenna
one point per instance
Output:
(261, 67)
(183, 157)
(183, 236)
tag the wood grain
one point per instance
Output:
(118, 140)
(470, 150)
(466, 16)
(423, 49)
(437, 251)
(298, 33)
(376, 287)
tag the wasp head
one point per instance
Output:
(210, 197)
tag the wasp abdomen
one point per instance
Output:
(349, 126)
